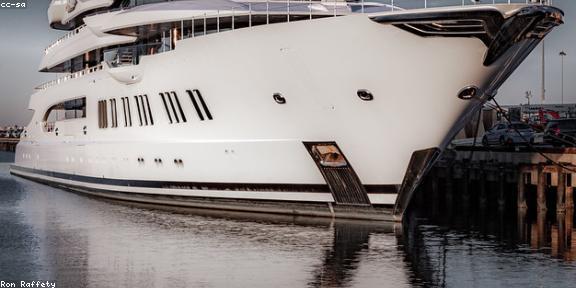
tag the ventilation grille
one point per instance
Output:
(341, 178)
(345, 186)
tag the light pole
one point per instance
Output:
(562, 54)
(528, 96)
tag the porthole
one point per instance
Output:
(468, 93)
(365, 95)
(279, 98)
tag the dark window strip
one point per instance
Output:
(105, 114)
(179, 107)
(129, 111)
(149, 110)
(196, 107)
(139, 113)
(143, 110)
(208, 114)
(100, 114)
(124, 110)
(251, 187)
(173, 109)
(166, 107)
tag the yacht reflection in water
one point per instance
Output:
(84, 242)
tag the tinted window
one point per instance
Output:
(71, 109)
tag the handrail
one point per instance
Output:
(291, 6)
(269, 8)
(63, 38)
(69, 77)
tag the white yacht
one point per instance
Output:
(328, 108)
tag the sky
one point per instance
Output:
(24, 34)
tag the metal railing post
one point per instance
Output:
(193, 28)
(233, 18)
(334, 8)
(204, 23)
(362, 6)
(250, 15)
(310, 8)
(163, 46)
(287, 10)
(218, 21)
(267, 12)
(182, 29)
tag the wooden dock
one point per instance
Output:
(8, 144)
(502, 171)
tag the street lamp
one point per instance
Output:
(528, 96)
(562, 54)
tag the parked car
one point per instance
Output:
(514, 133)
(560, 132)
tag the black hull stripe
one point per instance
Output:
(252, 187)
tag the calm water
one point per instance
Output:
(76, 241)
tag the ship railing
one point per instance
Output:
(294, 10)
(64, 38)
(70, 76)
(326, 7)
(268, 12)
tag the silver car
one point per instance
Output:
(508, 134)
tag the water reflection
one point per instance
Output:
(83, 242)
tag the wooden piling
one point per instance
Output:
(501, 188)
(482, 198)
(541, 189)
(561, 191)
(569, 197)
(449, 189)
(522, 189)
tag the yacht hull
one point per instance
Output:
(254, 148)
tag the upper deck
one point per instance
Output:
(69, 14)
(141, 30)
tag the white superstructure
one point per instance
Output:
(293, 101)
